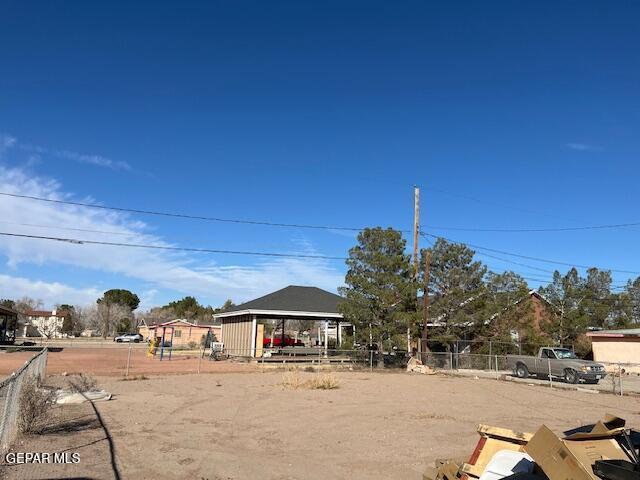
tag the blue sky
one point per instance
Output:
(507, 114)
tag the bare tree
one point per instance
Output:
(110, 315)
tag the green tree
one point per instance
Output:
(567, 294)
(188, 307)
(120, 297)
(124, 325)
(626, 305)
(380, 293)
(67, 325)
(456, 290)
(599, 302)
(228, 305)
(8, 303)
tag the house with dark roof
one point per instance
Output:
(243, 325)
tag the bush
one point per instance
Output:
(323, 382)
(35, 406)
(82, 383)
(291, 380)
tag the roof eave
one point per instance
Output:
(284, 313)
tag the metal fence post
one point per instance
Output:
(620, 373)
(490, 352)
(550, 379)
(497, 376)
(371, 359)
(200, 359)
(126, 373)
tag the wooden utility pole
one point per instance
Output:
(416, 260)
(416, 229)
(425, 303)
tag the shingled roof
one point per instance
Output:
(294, 299)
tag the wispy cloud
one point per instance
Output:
(89, 159)
(50, 293)
(157, 270)
(6, 142)
(583, 147)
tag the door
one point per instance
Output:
(548, 362)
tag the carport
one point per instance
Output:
(243, 325)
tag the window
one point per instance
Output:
(565, 353)
(177, 333)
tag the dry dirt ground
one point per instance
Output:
(244, 426)
(112, 361)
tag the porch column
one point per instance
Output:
(338, 332)
(326, 337)
(254, 332)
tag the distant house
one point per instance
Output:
(542, 312)
(617, 347)
(180, 332)
(44, 323)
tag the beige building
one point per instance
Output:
(614, 347)
(180, 332)
(44, 323)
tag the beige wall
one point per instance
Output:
(184, 334)
(617, 350)
(236, 335)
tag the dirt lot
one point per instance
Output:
(112, 361)
(238, 426)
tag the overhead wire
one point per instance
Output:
(185, 216)
(528, 257)
(168, 247)
(482, 249)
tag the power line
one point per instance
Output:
(186, 216)
(533, 230)
(288, 225)
(315, 227)
(72, 229)
(76, 241)
(527, 257)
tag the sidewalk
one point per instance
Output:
(630, 383)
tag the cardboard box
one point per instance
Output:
(491, 441)
(572, 458)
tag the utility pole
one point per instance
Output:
(425, 302)
(416, 229)
(416, 260)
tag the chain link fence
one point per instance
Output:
(10, 389)
(137, 360)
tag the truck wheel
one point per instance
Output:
(522, 371)
(571, 376)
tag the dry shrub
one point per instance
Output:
(327, 381)
(35, 406)
(82, 383)
(292, 381)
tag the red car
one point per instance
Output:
(277, 342)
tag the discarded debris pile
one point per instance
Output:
(416, 365)
(606, 450)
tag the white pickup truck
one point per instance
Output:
(557, 362)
